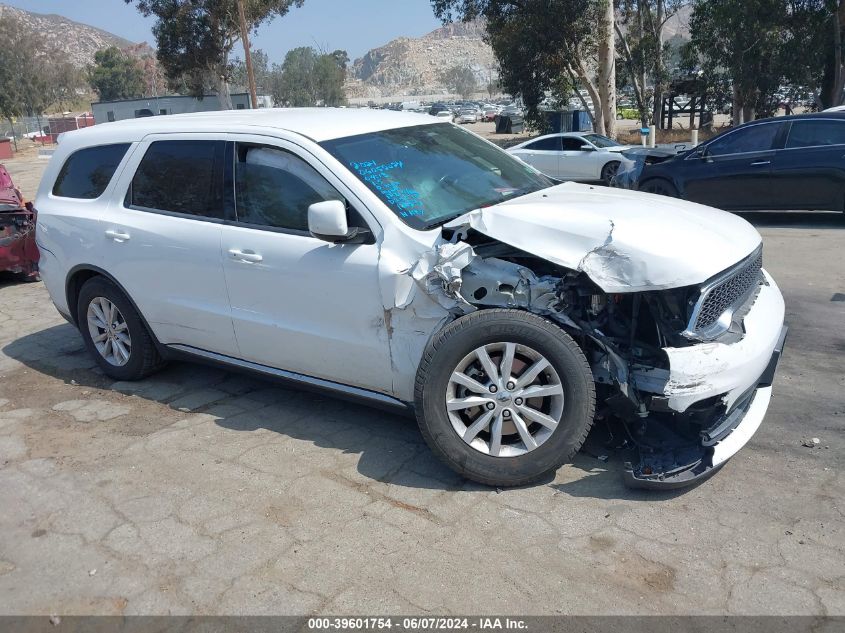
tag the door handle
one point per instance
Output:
(760, 163)
(245, 256)
(117, 236)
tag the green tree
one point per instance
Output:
(12, 72)
(543, 45)
(260, 68)
(195, 37)
(115, 75)
(757, 46)
(642, 46)
(308, 78)
(461, 80)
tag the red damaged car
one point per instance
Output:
(18, 252)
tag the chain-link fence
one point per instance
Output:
(42, 130)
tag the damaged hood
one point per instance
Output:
(624, 241)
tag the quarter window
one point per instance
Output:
(756, 138)
(274, 188)
(817, 132)
(180, 177)
(87, 172)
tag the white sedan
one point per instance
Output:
(467, 115)
(580, 156)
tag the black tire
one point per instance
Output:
(144, 358)
(609, 171)
(458, 339)
(659, 186)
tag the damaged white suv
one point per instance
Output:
(405, 261)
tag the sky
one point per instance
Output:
(353, 25)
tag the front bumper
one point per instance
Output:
(675, 465)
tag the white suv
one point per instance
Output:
(404, 261)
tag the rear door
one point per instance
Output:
(809, 173)
(161, 239)
(543, 154)
(734, 171)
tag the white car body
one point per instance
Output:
(270, 301)
(467, 116)
(568, 156)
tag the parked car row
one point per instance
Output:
(473, 112)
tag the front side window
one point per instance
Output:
(180, 177)
(816, 132)
(87, 172)
(601, 141)
(430, 174)
(274, 188)
(756, 138)
(572, 144)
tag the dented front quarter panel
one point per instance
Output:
(624, 241)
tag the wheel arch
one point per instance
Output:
(665, 178)
(79, 275)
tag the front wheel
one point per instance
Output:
(504, 396)
(659, 186)
(609, 171)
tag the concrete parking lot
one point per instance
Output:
(203, 491)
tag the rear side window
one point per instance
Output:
(87, 172)
(816, 132)
(551, 144)
(180, 177)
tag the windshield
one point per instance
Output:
(600, 141)
(430, 174)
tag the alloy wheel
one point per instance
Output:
(109, 331)
(504, 399)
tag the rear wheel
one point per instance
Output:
(659, 186)
(114, 332)
(504, 396)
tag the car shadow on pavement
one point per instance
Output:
(10, 279)
(390, 447)
(795, 219)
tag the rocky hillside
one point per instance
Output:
(77, 42)
(413, 65)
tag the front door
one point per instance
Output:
(299, 303)
(578, 159)
(734, 171)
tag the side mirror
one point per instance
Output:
(588, 148)
(327, 222)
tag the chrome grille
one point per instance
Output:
(724, 295)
